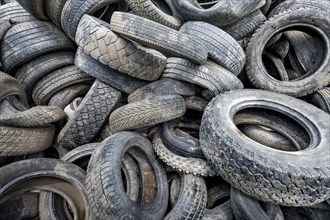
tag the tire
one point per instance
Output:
(111, 200)
(15, 13)
(248, 208)
(168, 40)
(90, 116)
(191, 201)
(97, 40)
(147, 112)
(53, 9)
(10, 86)
(210, 76)
(196, 166)
(35, 8)
(21, 141)
(28, 40)
(74, 10)
(30, 73)
(196, 103)
(218, 128)
(63, 97)
(155, 11)
(280, 70)
(4, 27)
(321, 99)
(57, 80)
(246, 26)
(221, 14)
(280, 48)
(114, 78)
(180, 142)
(161, 87)
(310, 82)
(37, 116)
(69, 181)
(305, 213)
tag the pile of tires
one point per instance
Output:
(165, 109)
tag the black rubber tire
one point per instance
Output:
(153, 10)
(221, 47)
(28, 40)
(114, 78)
(37, 116)
(238, 153)
(57, 80)
(74, 10)
(15, 13)
(35, 8)
(53, 9)
(147, 112)
(54, 175)
(246, 26)
(91, 115)
(97, 40)
(21, 141)
(196, 166)
(186, 145)
(310, 82)
(305, 213)
(106, 190)
(196, 103)
(210, 76)
(10, 86)
(321, 99)
(30, 73)
(248, 208)
(162, 87)
(191, 200)
(280, 48)
(168, 40)
(63, 97)
(221, 14)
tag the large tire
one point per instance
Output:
(153, 11)
(287, 178)
(35, 8)
(167, 40)
(28, 40)
(53, 10)
(147, 112)
(114, 78)
(97, 40)
(221, 47)
(106, 189)
(91, 115)
(311, 81)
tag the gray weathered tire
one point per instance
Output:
(53, 10)
(97, 40)
(14, 12)
(89, 118)
(321, 99)
(147, 112)
(35, 8)
(168, 40)
(277, 170)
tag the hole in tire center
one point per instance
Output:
(272, 129)
(163, 6)
(307, 52)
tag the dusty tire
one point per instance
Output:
(14, 12)
(321, 99)
(238, 153)
(53, 10)
(168, 40)
(34, 7)
(147, 112)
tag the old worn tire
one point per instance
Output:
(277, 170)
(15, 13)
(53, 9)
(321, 99)
(311, 81)
(97, 40)
(112, 77)
(147, 112)
(34, 7)
(221, 47)
(89, 118)
(168, 40)
(57, 80)
(107, 191)
(28, 40)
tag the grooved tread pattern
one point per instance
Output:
(97, 40)
(13, 11)
(168, 40)
(322, 99)
(34, 7)
(21, 141)
(89, 118)
(147, 112)
(57, 80)
(53, 10)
